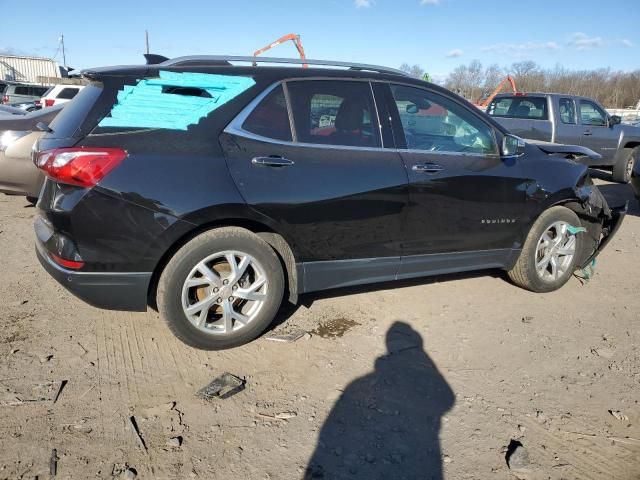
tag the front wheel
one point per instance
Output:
(623, 169)
(221, 290)
(550, 253)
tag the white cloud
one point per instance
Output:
(582, 41)
(456, 52)
(627, 43)
(363, 3)
(520, 49)
(429, 2)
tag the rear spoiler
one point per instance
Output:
(568, 150)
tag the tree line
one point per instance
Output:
(613, 89)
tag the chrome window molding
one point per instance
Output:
(235, 126)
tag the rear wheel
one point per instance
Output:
(550, 252)
(622, 170)
(221, 289)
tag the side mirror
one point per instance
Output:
(512, 146)
(615, 120)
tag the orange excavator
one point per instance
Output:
(295, 38)
(485, 103)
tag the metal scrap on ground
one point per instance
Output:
(224, 386)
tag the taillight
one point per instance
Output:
(5, 99)
(37, 103)
(83, 167)
(63, 262)
(48, 102)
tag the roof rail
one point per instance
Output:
(223, 59)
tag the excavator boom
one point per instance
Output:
(500, 86)
(295, 38)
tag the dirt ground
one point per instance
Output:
(424, 379)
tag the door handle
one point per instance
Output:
(427, 168)
(587, 133)
(272, 161)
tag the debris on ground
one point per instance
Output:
(527, 319)
(53, 463)
(136, 431)
(288, 337)
(286, 415)
(130, 473)
(517, 456)
(174, 442)
(224, 386)
(618, 415)
(63, 383)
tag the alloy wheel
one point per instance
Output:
(224, 292)
(555, 251)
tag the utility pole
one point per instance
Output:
(146, 39)
(64, 57)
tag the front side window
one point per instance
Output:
(592, 114)
(431, 122)
(270, 118)
(519, 107)
(334, 112)
(567, 111)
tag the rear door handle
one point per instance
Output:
(587, 133)
(272, 161)
(427, 168)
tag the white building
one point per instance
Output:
(17, 68)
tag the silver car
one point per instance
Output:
(18, 133)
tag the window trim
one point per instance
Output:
(445, 153)
(235, 126)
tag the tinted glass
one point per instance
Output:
(22, 91)
(519, 107)
(68, 93)
(333, 112)
(591, 114)
(69, 121)
(432, 122)
(567, 111)
(39, 91)
(270, 118)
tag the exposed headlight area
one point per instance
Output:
(8, 137)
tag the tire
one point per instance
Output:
(525, 274)
(32, 200)
(209, 252)
(622, 170)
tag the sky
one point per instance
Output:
(438, 35)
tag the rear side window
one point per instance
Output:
(22, 91)
(333, 112)
(567, 111)
(270, 118)
(534, 108)
(68, 93)
(39, 91)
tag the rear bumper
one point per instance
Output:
(108, 290)
(609, 228)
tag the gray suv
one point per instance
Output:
(569, 119)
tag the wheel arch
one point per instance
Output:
(274, 239)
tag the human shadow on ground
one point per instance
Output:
(386, 424)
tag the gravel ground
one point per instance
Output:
(440, 377)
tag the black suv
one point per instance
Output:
(212, 190)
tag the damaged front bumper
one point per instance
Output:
(597, 213)
(610, 227)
